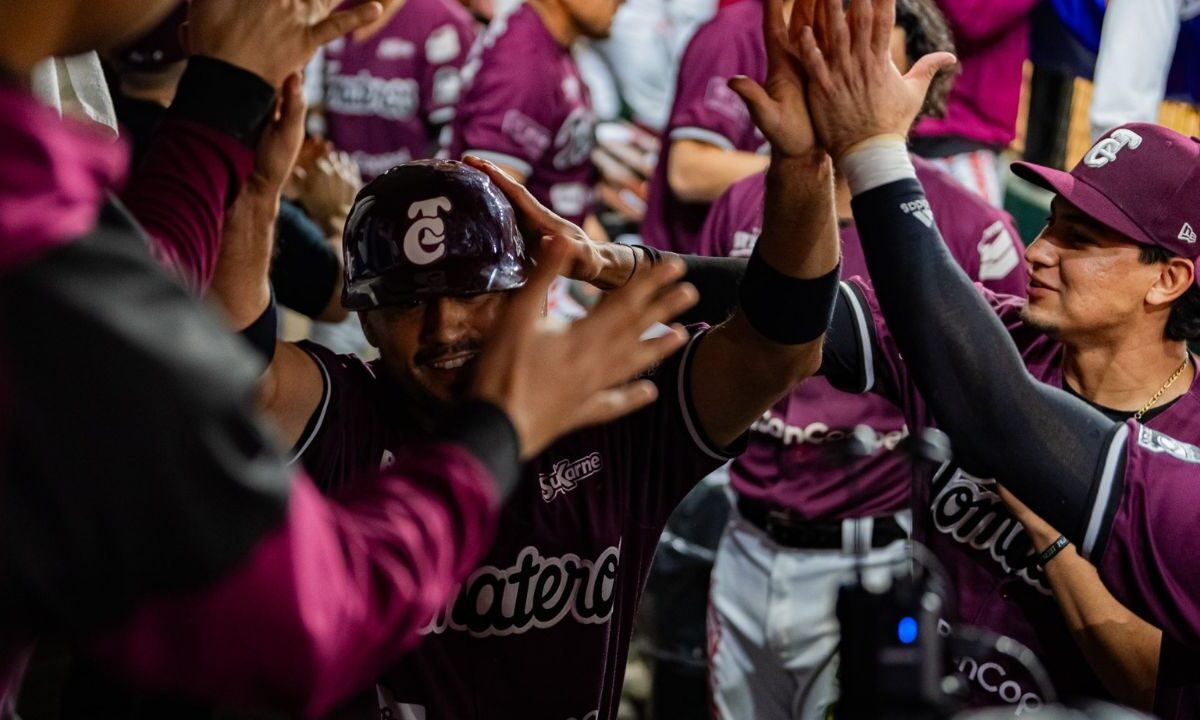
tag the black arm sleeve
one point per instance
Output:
(718, 280)
(305, 269)
(1044, 445)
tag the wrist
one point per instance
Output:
(1051, 550)
(617, 265)
(875, 162)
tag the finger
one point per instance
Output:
(837, 34)
(620, 308)
(861, 20)
(803, 13)
(342, 23)
(528, 208)
(774, 33)
(881, 32)
(527, 303)
(921, 76)
(813, 61)
(757, 100)
(608, 405)
(652, 351)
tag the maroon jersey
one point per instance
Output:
(386, 97)
(988, 555)
(525, 106)
(706, 110)
(542, 628)
(1140, 538)
(793, 459)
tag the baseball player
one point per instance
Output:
(802, 503)
(389, 89)
(710, 141)
(1081, 402)
(526, 108)
(541, 628)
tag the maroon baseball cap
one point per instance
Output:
(1141, 180)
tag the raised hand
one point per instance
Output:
(552, 378)
(271, 38)
(779, 108)
(855, 92)
(589, 261)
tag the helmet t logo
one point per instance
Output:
(425, 241)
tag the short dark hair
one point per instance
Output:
(928, 32)
(1184, 321)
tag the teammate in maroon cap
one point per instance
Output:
(541, 629)
(1085, 410)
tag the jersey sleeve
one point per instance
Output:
(504, 116)
(445, 51)
(999, 257)
(734, 222)
(670, 448)
(1139, 535)
(706, 109)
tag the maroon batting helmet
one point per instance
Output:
(430, 229)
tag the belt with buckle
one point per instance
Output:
(788, 529)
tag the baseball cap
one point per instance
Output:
(1141, 180)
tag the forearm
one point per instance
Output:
(196, 163)
(1121, 648)
(333, 596)
(755, 356)
(1043, 444)
(240, 282)
(698, 172)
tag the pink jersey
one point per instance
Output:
(793, 459)
(525, 106)
(386, 97)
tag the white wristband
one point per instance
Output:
(875, 163)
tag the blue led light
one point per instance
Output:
(907, 630)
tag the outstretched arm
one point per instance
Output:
(1044, 445)
(773, 340)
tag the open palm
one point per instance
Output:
(779, 107)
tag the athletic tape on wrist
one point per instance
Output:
(787, 310)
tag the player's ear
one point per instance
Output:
(1176, 277)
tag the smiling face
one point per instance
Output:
(1086, 280)
(430, 349)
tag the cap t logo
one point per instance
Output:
(1106, 150)
(425, 241)
(1187, 234)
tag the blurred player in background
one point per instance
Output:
(710, 141)
(526, 108)
(386, 91)
(992, 42)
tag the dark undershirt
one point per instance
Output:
(1121, 416)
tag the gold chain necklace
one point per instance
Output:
(1162, 390)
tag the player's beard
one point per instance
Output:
(1043, 326)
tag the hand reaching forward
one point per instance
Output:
(538, 222)
(855, 92)
(779, 107)
(271, 38)
(552, 378)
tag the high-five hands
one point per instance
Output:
(855, 92)
(779, 107)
